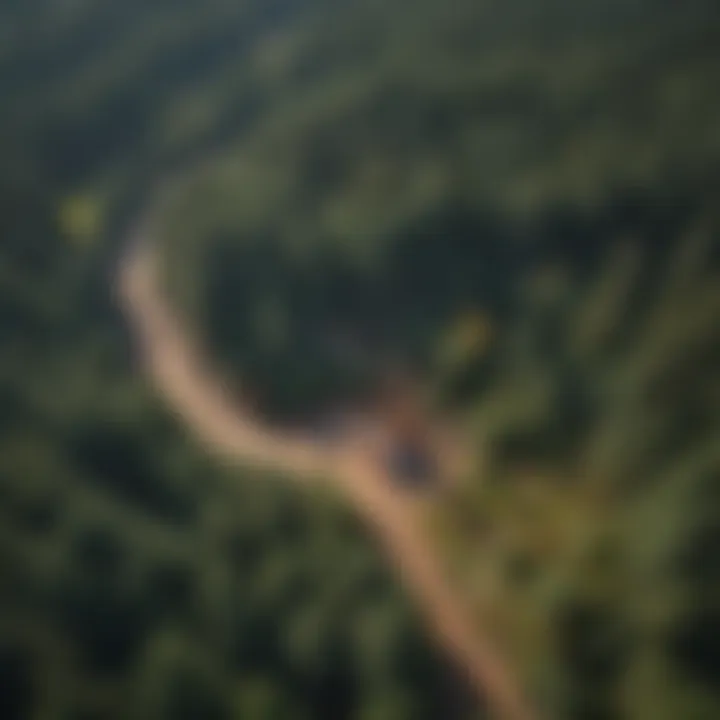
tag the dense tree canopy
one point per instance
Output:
(516, 198)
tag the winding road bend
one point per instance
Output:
(174, 364)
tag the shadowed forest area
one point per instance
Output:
(517, 200)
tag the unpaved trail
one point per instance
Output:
(174, 364)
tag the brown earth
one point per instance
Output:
(174, 364)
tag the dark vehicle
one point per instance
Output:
(411, 465)
(409, 458)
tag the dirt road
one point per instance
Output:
(174, 364)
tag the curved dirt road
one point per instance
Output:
(174, 364)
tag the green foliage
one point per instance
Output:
(589, 528)
(137, 578)
(359, 174)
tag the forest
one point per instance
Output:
(515, 200)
